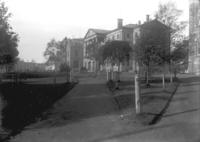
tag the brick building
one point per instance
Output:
(194, 34)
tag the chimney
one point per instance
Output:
(139, 22)
(156, 16)
(119, 23)
(147, 18)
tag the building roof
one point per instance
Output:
(129, 26)
(100, 31)
(97, 31)
(154, 21)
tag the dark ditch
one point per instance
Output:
(25, 104)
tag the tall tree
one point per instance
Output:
(179, 57)
(152, 46)
(51, 52)
(55, 52)
(8, 38)
(169, 14)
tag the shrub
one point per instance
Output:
(64, 67)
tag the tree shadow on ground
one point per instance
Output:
(25, 103)
(182, 112)
(77, 107)
(124, 100)
(190, 79)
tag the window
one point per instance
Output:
(117, 36)
(75, 64)
(113, 37)
(76, 53)
(128, 35)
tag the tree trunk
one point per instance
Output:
(112, 73)
(137, 94)
(171, 77)
(118, 73)
(118, 76)
(170, 71)
(163, 80)
(175, 73)
(147, 77)
(107, 73)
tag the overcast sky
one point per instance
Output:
(38, 21)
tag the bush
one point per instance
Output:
(64, 67)
(83, 69)
(111, 85)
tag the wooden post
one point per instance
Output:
(171, 74)
(107, 73)
(163, 80)
(137, 94)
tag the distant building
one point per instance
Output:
(194, 34)
(74, 51)
(92, 41)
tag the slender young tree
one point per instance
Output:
(55, 52)
(152, 46)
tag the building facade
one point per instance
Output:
(194, 35)
(92, 41)
(94, 38)
(123, 33)
(74, 57)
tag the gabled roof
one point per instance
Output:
(100, 31)
(155, 21)
(129, 26)
(97, 31)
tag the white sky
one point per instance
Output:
(38, 21)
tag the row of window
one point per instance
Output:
(194, 51)
(118, 37)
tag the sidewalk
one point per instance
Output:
(88, 113)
